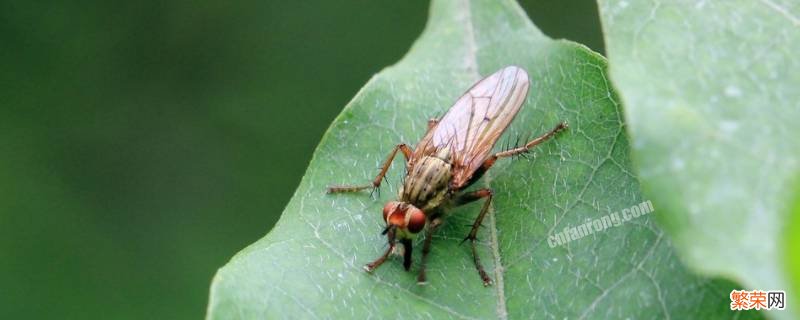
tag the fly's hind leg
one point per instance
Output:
(486, 193)
(376, 183)
(472, 237)
(489, 162)
(530, 144)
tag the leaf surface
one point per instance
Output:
(310, 264)
(712, 102)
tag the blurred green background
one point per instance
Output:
(144, 143)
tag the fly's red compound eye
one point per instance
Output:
(388, 209)
(416, 220)
(394, 213)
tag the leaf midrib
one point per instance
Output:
(472, 65)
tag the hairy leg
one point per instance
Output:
(472, 237)
(376, 183)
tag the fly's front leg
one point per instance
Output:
(530, 144)
(426, 248)
(378, 179)
(378, 262)
(471, 197)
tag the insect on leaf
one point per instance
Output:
(310, 264)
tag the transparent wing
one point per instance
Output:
(475, 122)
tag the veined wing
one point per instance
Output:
(475, 122)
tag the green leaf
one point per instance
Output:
(712, 101)
(791, 244)
(310, 265)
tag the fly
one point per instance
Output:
(454, 153)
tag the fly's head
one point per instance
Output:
(403, 220)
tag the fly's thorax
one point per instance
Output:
(426, 184)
